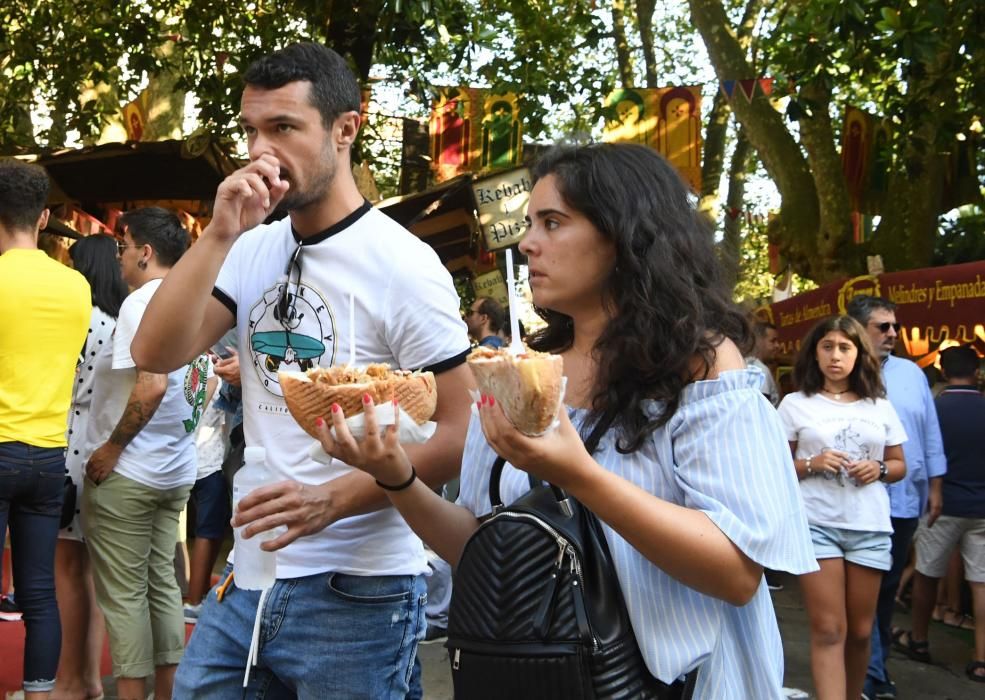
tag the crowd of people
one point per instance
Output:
(703, 479)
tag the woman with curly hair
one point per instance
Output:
(692, 482)
(846, 441)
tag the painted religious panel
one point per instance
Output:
(856, 139)
(866, 159)
(474, 130)
(135, 117)
(502, 145)
(453, 128)
(667, 119)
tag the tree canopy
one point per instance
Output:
(917, 65)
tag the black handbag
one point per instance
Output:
(536, 610)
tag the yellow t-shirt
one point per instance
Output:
(44, 318)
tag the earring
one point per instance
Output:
(142, 264)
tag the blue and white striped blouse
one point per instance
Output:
(724, 453)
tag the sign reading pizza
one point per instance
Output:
(501, 200)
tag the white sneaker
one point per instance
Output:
(192, 612)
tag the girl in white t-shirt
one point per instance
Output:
(846, 442)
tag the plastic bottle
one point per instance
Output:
(254, 568)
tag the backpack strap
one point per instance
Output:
(591, 443)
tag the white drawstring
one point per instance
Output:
(251, 658)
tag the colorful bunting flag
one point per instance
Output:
(748, 88)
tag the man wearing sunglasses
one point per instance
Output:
(343, 618)
(919, 492)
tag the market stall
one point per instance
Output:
(937, 307)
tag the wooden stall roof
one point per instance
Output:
(133, 171)
(444, 217)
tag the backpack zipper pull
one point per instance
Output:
(542, 618)
(455, 659)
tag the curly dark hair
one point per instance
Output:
(669, 304)
(334, 88)
(865, 378)
(23, 193)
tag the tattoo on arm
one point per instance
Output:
(143, 402)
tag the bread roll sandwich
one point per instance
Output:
(310, 395)
(527, 386)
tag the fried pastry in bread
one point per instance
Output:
(310, 395)
(527, 386)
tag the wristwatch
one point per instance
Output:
(883, 471)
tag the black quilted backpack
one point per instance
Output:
(536, 609)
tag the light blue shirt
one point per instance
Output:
(907, 389)
(724, 453)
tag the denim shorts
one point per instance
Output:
(328, 635)
(213, 509)
(871, 549)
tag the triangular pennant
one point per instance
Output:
(728, 88)
(748, 88)
(766, 86)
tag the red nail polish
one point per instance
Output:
(395, 402)
(492, 401)
(478, 404)
(319, 422)
(367, 398)
(336, 408)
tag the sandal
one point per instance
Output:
(918, 651)
(975, 666)
(953, 618)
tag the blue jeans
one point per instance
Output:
(31, 483)
(329, 635)
(882, 638)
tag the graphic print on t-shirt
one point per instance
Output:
(195, 380)
(303, 339)
(850, 441)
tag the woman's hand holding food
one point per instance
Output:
(558, 456)
(379, 453)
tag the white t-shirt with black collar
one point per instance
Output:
(406, 314)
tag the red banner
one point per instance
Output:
(935, 306)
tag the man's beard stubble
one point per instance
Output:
(298, 199)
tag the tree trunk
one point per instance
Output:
(623, 55)
(714, 158)
(796, 227)
(644, 19)
(834, 234)
(165, 103)
(734, 204)
(716, 132)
